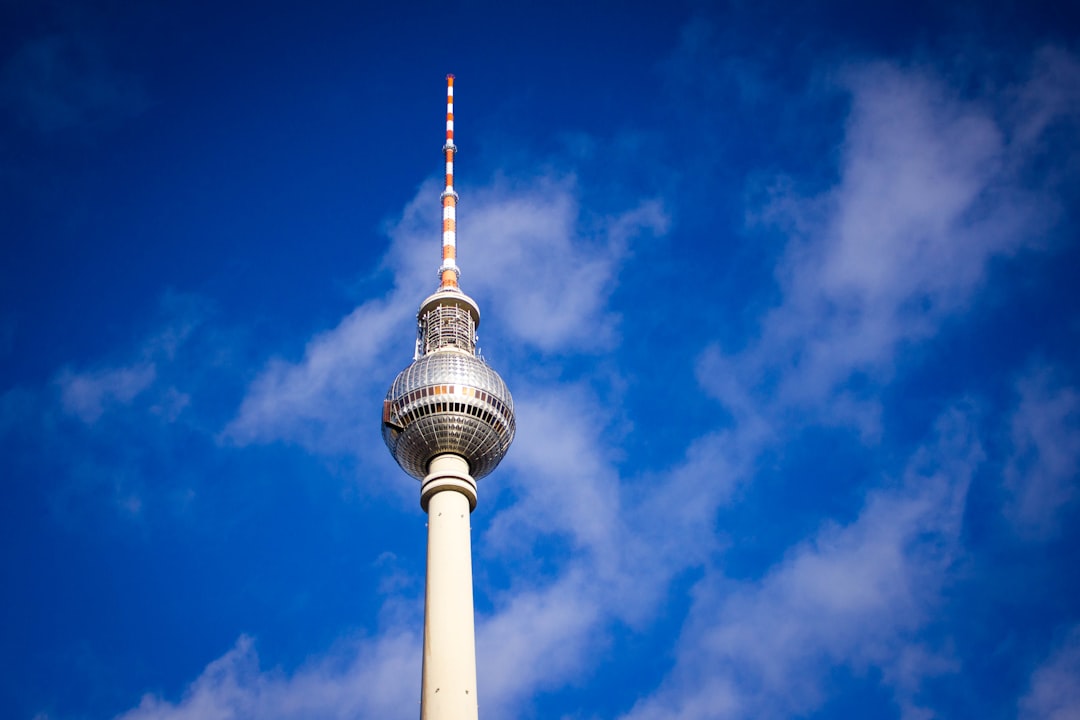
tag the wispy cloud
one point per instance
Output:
(540, 640)
(1042, 474)
(1054, 689)
(313, 403)
(528, 244)
(86, 395)
(852, 596)
(928, 197)
(573, 493)
(102, 430)
(1049, 97)
(529, 248)
(551, 267)
(360, 679)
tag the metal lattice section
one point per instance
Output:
(447, 326)
(448, 402)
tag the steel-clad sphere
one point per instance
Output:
(448, 401)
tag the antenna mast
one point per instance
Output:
(448, 271)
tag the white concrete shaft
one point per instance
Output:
(449, 678)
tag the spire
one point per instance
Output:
(449, 317)
(448, 271)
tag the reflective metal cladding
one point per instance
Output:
(448, 402)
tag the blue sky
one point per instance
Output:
(786, 296)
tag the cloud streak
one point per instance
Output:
(928, 198)
(1054, 689)
(1040, 476)
(87, 395)
(526, 245)
(361, 679)
(852, 595)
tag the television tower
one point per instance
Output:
(448, 419)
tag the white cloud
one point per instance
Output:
(1052, 95)
(672, 514)
(528, 246)
(377, 678)
(539, 640)
(87, 395)
(926, 199)
(315, 402)
(1054, 689)
(525, 244)
(551, 269)
(547, 625)
(1042, 473)
(853, 596)
(564, 482)
(627, 538)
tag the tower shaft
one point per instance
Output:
(448, 689)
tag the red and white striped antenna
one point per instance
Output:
(448, 271)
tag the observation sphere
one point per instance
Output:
(448, 401)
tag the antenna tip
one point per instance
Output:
(450, 78)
